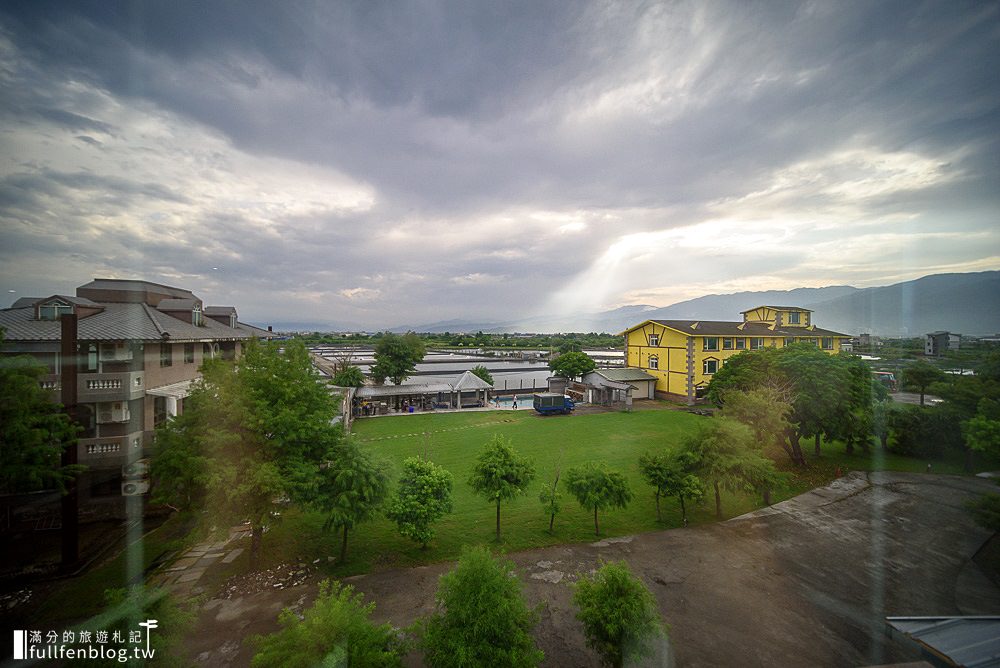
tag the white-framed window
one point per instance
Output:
(166, 354)
(793, 318)
(196, 316)
(710, 366)
(654, 362)
(741, 343)
(728, 344)
(54, 310)
(827, 343)
(711, 343)
(654, 339)
(756, 342)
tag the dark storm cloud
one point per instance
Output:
(469, 119)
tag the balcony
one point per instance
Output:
(110, 386)
(108, 451)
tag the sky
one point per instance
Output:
(376, 164)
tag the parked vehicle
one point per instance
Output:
(550, 403)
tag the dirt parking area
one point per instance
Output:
(807, 582)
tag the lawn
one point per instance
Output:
(455, 440)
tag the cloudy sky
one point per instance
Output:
(405, 163)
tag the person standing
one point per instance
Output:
(515, 402)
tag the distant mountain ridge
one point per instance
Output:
(963, 303)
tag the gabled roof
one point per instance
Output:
(219, 310)
(470, 381)
(777, 308)
(731, 328)
(624, 374)
(119, 322)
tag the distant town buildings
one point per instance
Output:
(683, 355)
(936, 343)
(140, 347)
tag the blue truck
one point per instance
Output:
(550, 403)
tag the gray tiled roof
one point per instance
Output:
(219, 310)
(24, 302)
(729, 328)
(370, 391)
(118, 322)
(623, 375)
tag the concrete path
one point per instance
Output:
(807, 582)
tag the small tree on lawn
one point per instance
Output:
(501, 474)
(597, 488)
(335, 631)
(351, 490)
(666, 474)
(349, 377)
(572, 365)
(480, 618)
(619, 615)
(396, 357)
(483, 373)
(551, 499)
(422, 498)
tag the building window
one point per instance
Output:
(741, 344)
(654, 362)
(91, 357)
(196, 316)
(166, 352)
(189, 353)
(53, 311)
(654, 339)
(159, 411)
(793, 318)
(711, 343)
(232, 320)
(827, 343)
(728, 344)
(756, 342)
(710, 366)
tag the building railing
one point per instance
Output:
(119, 386)
(108, 451)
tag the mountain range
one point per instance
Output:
(963, 303)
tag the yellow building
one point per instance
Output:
(684, 354)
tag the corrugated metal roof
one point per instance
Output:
(371, 391)
(624, 375)
(962, 641)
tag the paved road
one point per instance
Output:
(806, 582)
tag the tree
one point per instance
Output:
(666, 474)
(351, 489)
(254, 431)
(483, 372)
(551, 499)
(569, 347)
(501, 474)
(33, 430)
(982, 431)
(619, 615)
(722, 453)
(335, 631)
(597, 488)
(919, 375)
(986, 511)
(349, 377)
(572, 365)
(396, 357)
(480, 618)
(881, 419)
(422, 498)
(765, 411)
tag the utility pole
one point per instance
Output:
(70, 501)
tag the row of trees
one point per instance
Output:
(576, 340)
(480, 619)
